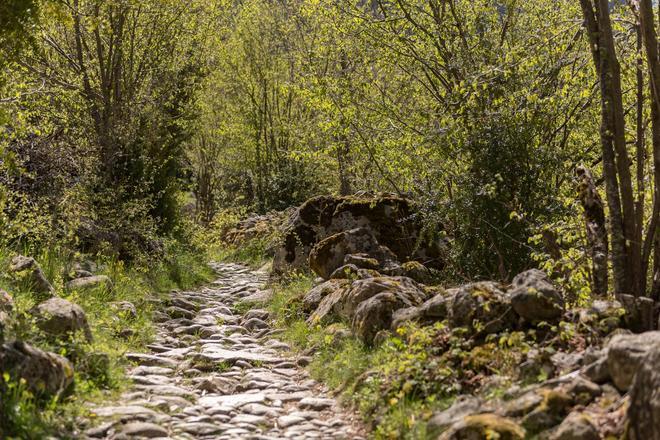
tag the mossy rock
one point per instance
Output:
(486, 427)
(550, 412)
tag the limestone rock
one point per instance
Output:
(576, 426)
(603, 316)
(550, 412)
(644, 409)
(417, 271)
(6, 308)
(485, 303)
(432, 310)
(362, 261)
(125, 308)
(45, 373)
(535, 298)
(462, 407)
(314, 297)
(88, 283)
(375, 314)
(626, 354)
(389, 217)
(59, 317)
(28, 270)
(343, 303)
(484, 426)
(143, 430)
(328, 255)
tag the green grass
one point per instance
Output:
(99, 365)
(395, 386)
(253, 252)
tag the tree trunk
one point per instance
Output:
(615, 158)
(594, 221)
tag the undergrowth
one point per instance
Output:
(398, 384)
(99, 364)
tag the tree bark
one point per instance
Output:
(595, 225)
(616, 162)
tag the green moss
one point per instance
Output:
(492, 426)
(100, 364)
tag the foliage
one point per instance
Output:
(99, 365)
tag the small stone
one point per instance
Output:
(144, 429)
(88, 283)
(255, 324)
(286, 421)
(28, 270)
(315, 403)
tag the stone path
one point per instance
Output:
(212, 374)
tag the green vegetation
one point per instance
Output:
(99, 364)
(137, 134)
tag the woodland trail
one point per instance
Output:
(214, 374)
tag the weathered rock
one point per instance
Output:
(45, 373)
(315, 403)
(143, 429)
(535, 298)
(524, 404)
(417, 271)
(462, 407)
(626, 354)
(483, 427)
(29, 271)
(577, 426)
(432, 310)
(346, 272)
(61, 318)
(603, 316)
(550, 412)
(485, 303)
(318, 293)
(362, 261)
(6, 301)
(328, 254)
(389, 217)
(342, 303)
(125, 308)
(644, 409)
(375, 314)
(6, 308)
(88, 283)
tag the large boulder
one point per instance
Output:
(61, 318)
(342, 304)
(482, 307)
(27, 270)
(535, 298)
(390, 218)
(45, 374)
(644, 409)
(90, 282)
(626, 354)
(330, 253)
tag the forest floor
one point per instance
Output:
(216, 370)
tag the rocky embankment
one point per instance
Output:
(215, 374)
(583, 373)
